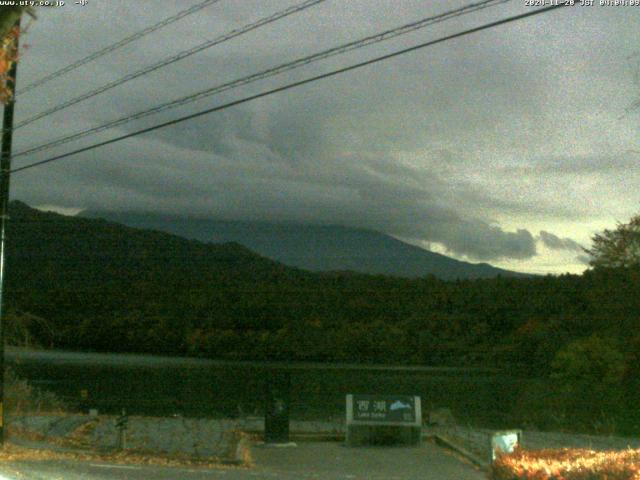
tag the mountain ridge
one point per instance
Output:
(317, 248)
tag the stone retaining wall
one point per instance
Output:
(173, 435)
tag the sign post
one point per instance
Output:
(122, 423)
(382, 419)
(277, 401)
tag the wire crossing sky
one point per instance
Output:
(125, 41)
(172, 59)
(300, 62)
(293, 85)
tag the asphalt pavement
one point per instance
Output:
(308, 460)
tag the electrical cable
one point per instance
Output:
(294, 84)
(125, 41)
(366, 41)
(172, 59)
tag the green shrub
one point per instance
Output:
(589, 373)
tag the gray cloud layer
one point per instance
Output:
(556, 243)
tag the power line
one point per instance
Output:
(167, 21)
(174, 58)
(338, 50)
(295, 84)
(366, 41)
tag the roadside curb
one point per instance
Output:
(450, 444)
(305, 436)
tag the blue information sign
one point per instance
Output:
(384, 408)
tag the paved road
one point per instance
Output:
(324, 461)
(333, 461)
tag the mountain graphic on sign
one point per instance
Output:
(398, 405)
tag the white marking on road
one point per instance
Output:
(124, 467)
(217, 472)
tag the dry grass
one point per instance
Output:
(21, 397)
(77, 439)
(568, 464)
(13, 453)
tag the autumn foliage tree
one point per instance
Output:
(8, 55)
(617, 248)
(8, 18)
(9, 32)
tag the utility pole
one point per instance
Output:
(5, 172)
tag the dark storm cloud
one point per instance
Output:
(556, 243)
(487, 242)
(433, 146)
(369, 192)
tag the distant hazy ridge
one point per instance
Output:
(314, 247)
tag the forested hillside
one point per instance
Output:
(103, 286)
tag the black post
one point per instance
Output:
(277, 401)
(5, 169)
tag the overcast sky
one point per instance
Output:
(509, 146)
